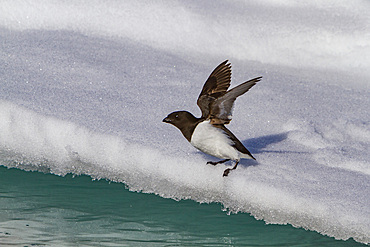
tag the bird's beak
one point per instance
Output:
(166, 120)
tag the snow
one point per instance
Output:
(85, 85)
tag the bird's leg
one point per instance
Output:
(218, 162)
(227, 171)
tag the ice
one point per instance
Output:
(85, 85)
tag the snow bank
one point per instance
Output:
(286, 193)
(299, 35)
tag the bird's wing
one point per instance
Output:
(215, 86)
(236, 143)
(221, 109)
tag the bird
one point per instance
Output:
(208, 132)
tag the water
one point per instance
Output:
(38, 209)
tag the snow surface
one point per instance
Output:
(85, 85)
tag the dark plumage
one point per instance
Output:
(208, 133)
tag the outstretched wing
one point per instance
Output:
(221, 109)
(216, 86)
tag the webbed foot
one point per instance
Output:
(218, 162)
(227, 171)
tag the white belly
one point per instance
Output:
(213, 141)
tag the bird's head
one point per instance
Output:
(179, 118)
(184, 121)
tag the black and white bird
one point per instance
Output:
(208, 133)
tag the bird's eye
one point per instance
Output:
(177, 116)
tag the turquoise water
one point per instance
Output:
(39, 209)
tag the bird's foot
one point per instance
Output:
(218, 162)
(226, 172)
